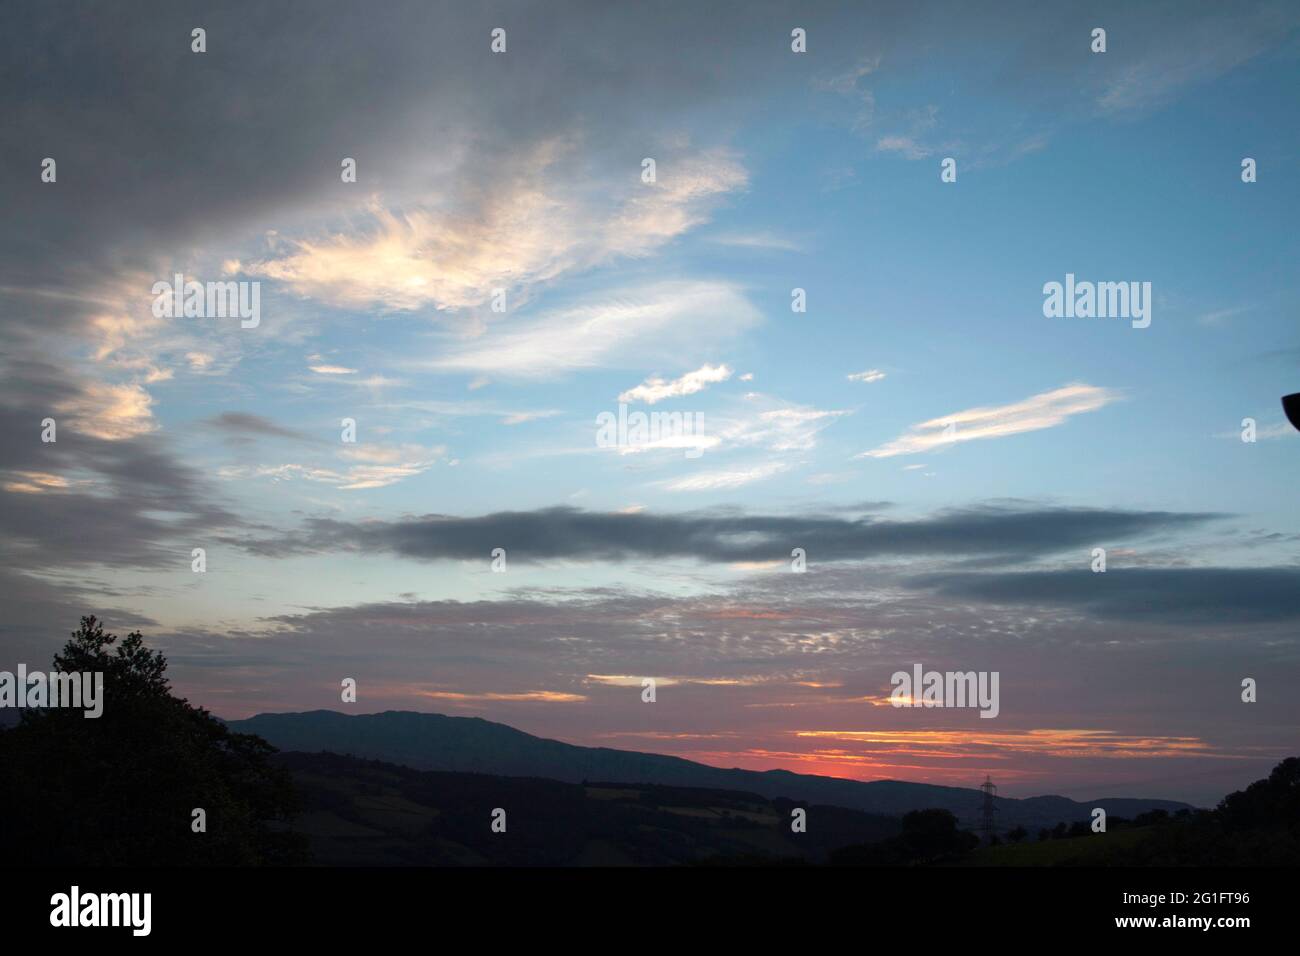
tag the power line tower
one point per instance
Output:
(988, 826)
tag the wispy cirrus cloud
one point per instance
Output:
(656, 389)
(530, 696)
(1281, 429)
(1051, 742)
(726, 478)
(757, 421)
(1044, 410)
(366, 467)
(632, 680)
(1176, 56)
(614, 329)
(758, 240)
(848, 83)
(771, 423)
(905, 146)
(520, 418)
(531, 227)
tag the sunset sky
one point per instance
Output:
(823, 430)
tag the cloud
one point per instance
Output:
(371, 466)
(758, 240)
(727, 478)
(724, 536)
(370, 381)
(1050, 742)
(106, 493)
(771, 423)
(110, 412)
(525, 231)
(906, 146)
(241, 425)
(401, 260)
(34, 482)
(380, 465)
(663, 321)
(332, 370)
(757, 422)
(520, 418)
(848, 83)
(1220, 316)
(1282, 429)
(655, 389)
(448, 119)
(1044, 410)
(630, 680)
(1156, 595)
(674, 204)
(532, 696)
(1170, 57)
(869, 376)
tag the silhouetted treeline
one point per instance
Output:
(122, 788)
(929, 836)
(1258, 826)
(1078, 828)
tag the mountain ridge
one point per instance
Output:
(427, 741)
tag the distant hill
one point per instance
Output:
(473, 745)
(368, 813)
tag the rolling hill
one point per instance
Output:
(474, 745)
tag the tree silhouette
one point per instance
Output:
(121, 789)
(1273, 801)
(929, 836)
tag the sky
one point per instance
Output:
(915, 467)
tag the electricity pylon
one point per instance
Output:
(988, 826)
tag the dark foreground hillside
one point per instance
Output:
(360, 812)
